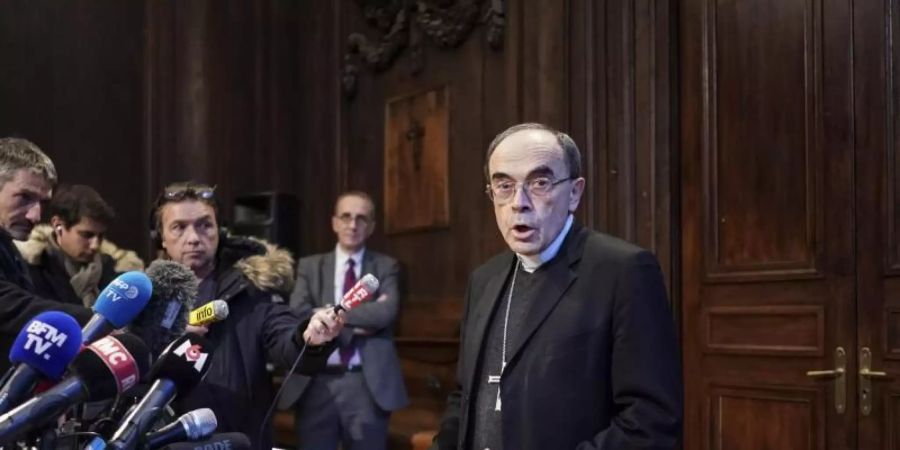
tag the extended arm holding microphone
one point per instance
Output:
(284, 336)
(380, 313)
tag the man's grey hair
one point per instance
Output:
(570, 150)
(17, 154)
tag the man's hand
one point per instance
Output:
(324, 326)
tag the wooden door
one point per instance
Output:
(767, 223)
(877, 141)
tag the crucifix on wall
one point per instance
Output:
(414, 134)
(416, 143)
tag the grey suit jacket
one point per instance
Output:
(381, 366)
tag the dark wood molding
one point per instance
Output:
(405, 24)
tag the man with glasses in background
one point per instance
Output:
(349, 403)
(250, 275)
(567, 339)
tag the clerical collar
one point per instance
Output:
(342, 256)
(531, 263)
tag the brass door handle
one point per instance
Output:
(825, 373)
(866, 374)
(871, 374)
(840, 379)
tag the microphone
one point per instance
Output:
(106, 368)
(213, 311)
(166, 315)
(181, 366)
(360, 292)
(230, 441)
(43, 349)
(192, 426)
(118, 304)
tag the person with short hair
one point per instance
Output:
(27, 178)
(567, 338)
(69, 258)
(349, 403)
(253, 277)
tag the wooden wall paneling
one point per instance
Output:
(71, 83)
(584, 88)
(319, 157)
(159, 101)
(621, 113)
(502, 75)
(620, 128)
(437, 265)
(544, 63)
(280, 94)
(223, 99)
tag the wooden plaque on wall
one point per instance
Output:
(416, 147)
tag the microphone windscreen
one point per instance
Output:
(231, 441)
(200, 423)
(47, 343)
(166, 315)
(121, 301)
(112, 365)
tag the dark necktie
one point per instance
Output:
(347, 349)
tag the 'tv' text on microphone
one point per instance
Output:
(103, 370)
(118, 304)
(43, 349)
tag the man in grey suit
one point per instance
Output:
(350, 402)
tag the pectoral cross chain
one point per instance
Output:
(495, 379)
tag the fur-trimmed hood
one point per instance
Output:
(39, 240)
(269, 267)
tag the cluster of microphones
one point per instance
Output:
(109, 385)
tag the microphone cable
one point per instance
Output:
(290, 372)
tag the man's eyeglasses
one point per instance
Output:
(503, 190)
(198, 192)
(347, 219)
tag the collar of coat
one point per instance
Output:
(39, 241)
(266, 266)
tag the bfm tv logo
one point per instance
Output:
(192, 353)
(118, 289)
(41, 336)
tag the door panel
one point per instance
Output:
(767, 222)
(878, 216)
